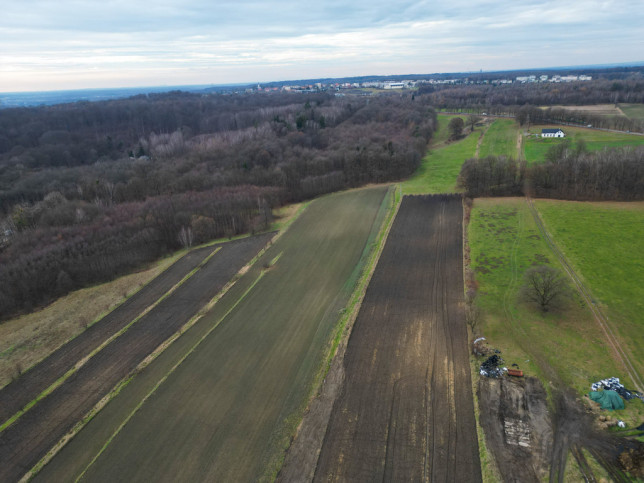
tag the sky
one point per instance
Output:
(75, 44)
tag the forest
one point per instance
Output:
(569, 174)
(89, 191)
(523, 100)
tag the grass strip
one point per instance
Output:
(168, 261)
(164, 378)
(489, 470)
(105, 343)
(359, 280)
(147, 361)
(367, 266)
(157, 352)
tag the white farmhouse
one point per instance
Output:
(552, 133)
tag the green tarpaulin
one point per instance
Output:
(607, 399)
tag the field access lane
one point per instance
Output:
(26, 441)
(405, 411)
(17, 394)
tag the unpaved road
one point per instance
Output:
(405, 412)
(518, 430)
(26, 441)
(15, 395)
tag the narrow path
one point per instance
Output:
(601, 319)
(480, 141)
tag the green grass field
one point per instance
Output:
(442, 133)
(563, 347)
(231, 407)
(500, 139)
(440, 167)
(535, 148)
(601, 241)
(633, 111)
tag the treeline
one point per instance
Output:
(611, 174)
(65, 226)
(48, 261)
(599, 91)
(521, 100)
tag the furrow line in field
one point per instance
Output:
(76, 367)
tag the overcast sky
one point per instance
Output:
(69, 44)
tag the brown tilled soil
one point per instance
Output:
(26, 441)
(15, 395)
(514, 416)
(531, 443)
(405, 410)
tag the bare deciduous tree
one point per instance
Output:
(545, 286)
(473, 120)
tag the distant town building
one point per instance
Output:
(552, 133)
(394, 85)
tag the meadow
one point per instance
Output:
(600, 241)
(535, 147)
(231, 393)
(440, 167)
(564, 346)
(633, 111)
(500, 139)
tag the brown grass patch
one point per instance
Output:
(28, 339)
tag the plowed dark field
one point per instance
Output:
(26, 441)
(406, 412)
(17, 394)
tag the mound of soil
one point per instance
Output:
(632, 460)
(516, 422)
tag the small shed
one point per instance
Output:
(552, 133)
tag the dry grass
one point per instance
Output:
(598, 109)
(285, 214)
(28, 339)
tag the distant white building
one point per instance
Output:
(394, 85)
(552, 133)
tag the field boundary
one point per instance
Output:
(355, 301)
(178, 255)
(174, 367)
(599, 316)
(104, 344)
(333, 370)
(151, 357)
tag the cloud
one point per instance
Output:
(70, 43)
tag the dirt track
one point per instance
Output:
(15, 395)
(26, 441)
(406, 411)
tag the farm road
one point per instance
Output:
(27, 440)
(17, 394)
(405, 412)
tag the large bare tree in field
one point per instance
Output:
(545, 286)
